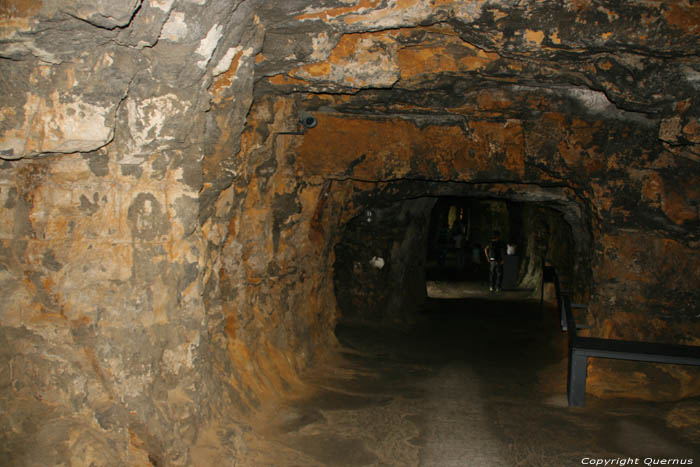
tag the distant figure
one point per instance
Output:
(443, 244)
(494, 255)
(459, 238)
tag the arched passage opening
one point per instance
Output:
(305, 222)
(531, 235)
(389, 250)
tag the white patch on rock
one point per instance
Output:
(41, 54)
(594, 101)
(377, 262)
(225, 63)
(148, 118)
(692, 76)
(394, 14)
(321, 47)
(57, 125)
(179, 357)
(208, 45)
(226, 60)
(164, 5)
(107, 60)
(85, 132)
(175, 28)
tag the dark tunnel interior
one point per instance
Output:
(419, 324)
(391, 256)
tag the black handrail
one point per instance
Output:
(580, 348)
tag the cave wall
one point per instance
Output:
(548, 239)
(167, 254)
(635, 258)
(268, 286)
(101, 310)
(103, 133)
(379, 271)
(386, 148)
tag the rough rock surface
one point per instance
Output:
(167, 234)
(380, 252)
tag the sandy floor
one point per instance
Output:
(479, 382)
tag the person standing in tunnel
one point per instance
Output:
(494, 255)
(443, 245)
(459, 237)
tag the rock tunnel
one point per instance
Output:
(186, 187)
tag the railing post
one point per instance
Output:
(577, 378)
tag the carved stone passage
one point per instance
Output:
(169, 228)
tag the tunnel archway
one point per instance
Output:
(383, 254)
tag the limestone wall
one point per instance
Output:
(106, 346)
(102, 317)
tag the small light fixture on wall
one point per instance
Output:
(307, 120)
(304, 122)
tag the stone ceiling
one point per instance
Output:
(449, 57)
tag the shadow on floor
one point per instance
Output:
(478, 381)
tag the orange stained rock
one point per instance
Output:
(504, 140)
(535, 37)
(317, 69)
(579, 5)
(677, 201)
(225, 80)
(602, 196)
(612, 16)
(231, 325)
(231, 227)
(643, 259)
(572, 152)
(441, 51)
(353, 52)
(385, 149)
(19, 8)
(493, 100)
(555, 120)
(684, 105)
(692, 130)
(627, 325)
(606, 65)
(554, 37)
(282, 79)
(684, 16)
(652, 188)
(452, 55)
(330, 99)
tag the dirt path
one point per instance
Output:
(477, 383)
(457, 428)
